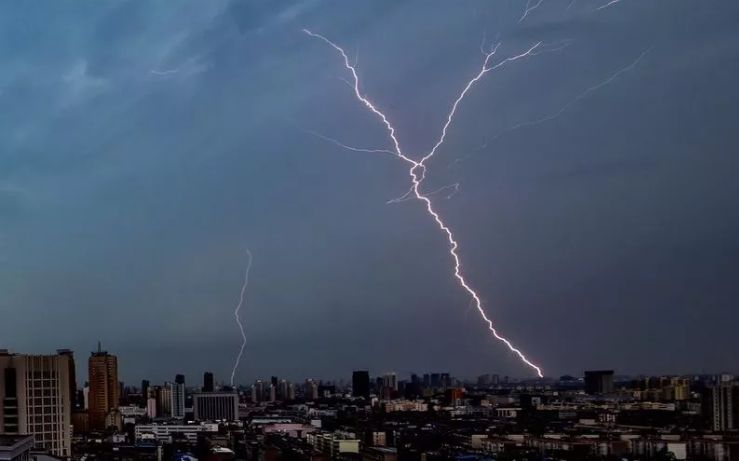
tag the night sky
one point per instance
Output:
(145, 145)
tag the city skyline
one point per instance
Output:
(593, 187)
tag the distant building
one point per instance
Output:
(178, 397)
(311, 389)
(104, 389)
(35, 400)
(599, 382)
(361, 384)
(724, 404)
(165, 432)
(164, 400)
(390, 381)
(215, 406)
(208, 382)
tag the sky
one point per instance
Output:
(145, 146)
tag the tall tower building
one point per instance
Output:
(35, 398)
(104, 389)
(360, 384)
(178, 397)
(208, 382)
(164, 400)
(725, 404)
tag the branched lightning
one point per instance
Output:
(238, 318)
(529, 8)
(579, 97)
(417, 169)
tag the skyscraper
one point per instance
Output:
(208, 382)
(724, 404)
(103, 399)
(178, 397)
(361, 384)
(35, 399)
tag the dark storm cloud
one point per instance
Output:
(144, 145)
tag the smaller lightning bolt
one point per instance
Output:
(238, 318)
(570, 5)
(348, 147)
(563, 109)
(611, 3)
(529, 8)
(580, 96)
(410, 195)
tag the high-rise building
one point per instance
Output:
(215, 406)
(724, 404)
(208, 382)
(72, 373)
(361, 384)
(178, 397)
(104, 389)
(258, 391)
(35, 399)
(390, 381)
(599, 382)
(164, 400)
(311, 389)
(145, 390)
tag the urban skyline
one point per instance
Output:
(596, 415)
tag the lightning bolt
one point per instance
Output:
(417, 169)
(410, 195)
(611, 3)
(529, 8)
(584, 94)
(565, 107)
(238, 318)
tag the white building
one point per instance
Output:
(164, 432)
(36, 399)
(215, 406)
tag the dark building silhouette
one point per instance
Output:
(599, 382)
(208, 382)
(145, 390)
(361, 384)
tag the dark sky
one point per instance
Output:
(145, 145)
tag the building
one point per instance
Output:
(361, 384)
(178, 397)
(15, 447)
(216, 406)
(164, 432)
(35, 399)
(104, 388)
(163, 395)
(311, 389)
(208, 382)
(390, 381)
(599, 382)
(72, 374)
(724, 403)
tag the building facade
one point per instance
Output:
(215, 406)
(35, 397)
(104, 389)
